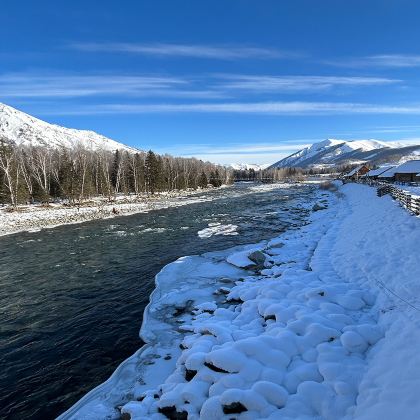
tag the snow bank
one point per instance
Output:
(321, 322)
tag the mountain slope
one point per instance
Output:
(334, 152)
(23, 129)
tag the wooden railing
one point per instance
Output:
(410, 201)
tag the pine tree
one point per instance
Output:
(151, 172)
(203, 181)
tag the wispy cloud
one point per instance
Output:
(258, 83)
(214, 86)
(245, 149)
(257, 108)
(379, 60)
(68, 86)
(263, 152)
(221, 52)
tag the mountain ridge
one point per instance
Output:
(23, 129)
(338, 152)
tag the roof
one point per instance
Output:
(355, 170)
(378, 171)
(388, 173)
(409, 167)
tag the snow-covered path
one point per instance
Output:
(319, 323)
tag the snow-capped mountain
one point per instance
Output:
(23, 129)
(333, 152)
(248, 166)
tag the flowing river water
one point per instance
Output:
(72, 297)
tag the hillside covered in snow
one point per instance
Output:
(23, 129)
(336, 152)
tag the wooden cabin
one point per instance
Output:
(408, 171)
(357, 172)
(388, 175)
(375, 173)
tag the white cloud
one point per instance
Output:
(379, 60)
(258, 83)
(28, 85)
(49, 85)
(224, 52)
(257, 108)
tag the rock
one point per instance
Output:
(257, 257)
(215, 368)
(318, 207)
(234, 408)
(173, 414)
(189, 374)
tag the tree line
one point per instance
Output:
(288, 173)
(31, 174)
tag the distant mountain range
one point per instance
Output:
(248, 166)
(23, 129)
(338, 152)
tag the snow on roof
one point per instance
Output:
(378, 171)
(388, 173)
(409, 167)
(355, 170)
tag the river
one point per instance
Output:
(72, 297)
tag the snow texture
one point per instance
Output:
(326, 328)
(23, 129)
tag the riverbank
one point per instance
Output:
(321, 321)
(36, 217)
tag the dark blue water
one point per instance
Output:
(72, 297)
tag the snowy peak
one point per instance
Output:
(334, 151)
(248, 166)
(23, 129)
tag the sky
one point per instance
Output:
(223, 80)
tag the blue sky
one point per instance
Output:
(223, 80)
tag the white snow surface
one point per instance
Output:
(23, 129)
(329, 329)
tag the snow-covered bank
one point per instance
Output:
(320, 322)
(36, 217)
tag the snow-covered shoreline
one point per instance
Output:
(36, 217)
(317, 323)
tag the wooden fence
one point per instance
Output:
(410, 201)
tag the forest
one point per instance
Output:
(38, 174)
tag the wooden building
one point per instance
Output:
(375, 173)
(408, 171)
(388, 175)
(357, 172)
